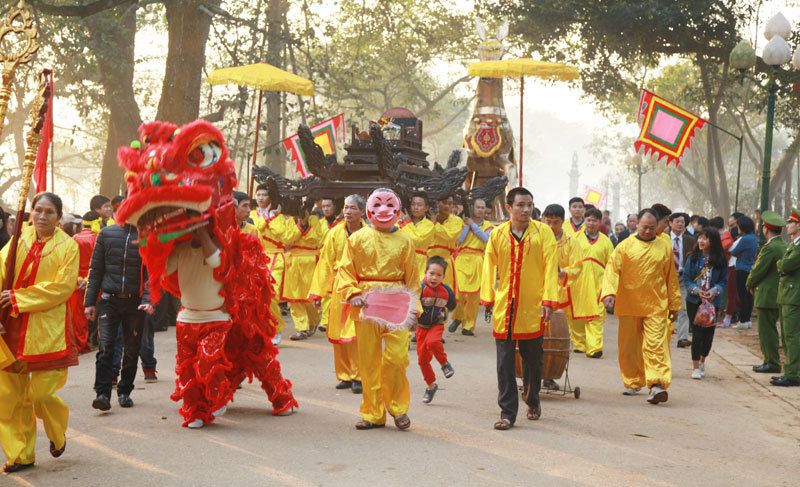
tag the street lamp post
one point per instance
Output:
(775, 53)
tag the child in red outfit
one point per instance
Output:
(436, 298)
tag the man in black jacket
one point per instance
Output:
(119, 279)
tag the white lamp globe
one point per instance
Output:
(776, 52)
(777, 25)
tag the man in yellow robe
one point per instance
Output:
(576, 209)
(331, 217)
(522, 254)
(419, 228)
(276, 231)
(37, 335)
(597, 251)
(641, 286)
(469, 267)
(341, 330)
(576, 284)
(446, 230)
(383, 256)
(301, 259)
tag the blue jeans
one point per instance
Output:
(147, 349)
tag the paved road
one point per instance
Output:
(725, 430)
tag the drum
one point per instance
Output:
(555, 348)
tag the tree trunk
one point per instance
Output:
(275, 44)
(115, 65)
(188, 27)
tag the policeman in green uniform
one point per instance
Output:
(763, 283)
(789, 300)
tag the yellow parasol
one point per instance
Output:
(263, 77)
(520, 68)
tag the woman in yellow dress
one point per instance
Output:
(39, 335)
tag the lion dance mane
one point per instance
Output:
(179, 179)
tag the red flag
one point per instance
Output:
(40, 169)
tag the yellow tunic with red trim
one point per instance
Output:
(577, 291)
(421, 233)
(643, 278)
(596, 255)
(571, 229)
(275, 234)
(469, 261)
(327, 227)
(46, 273)
(372, 258)
(301, 259)
(527, 273)
(324, 284)
(444, 244)
(97, 224)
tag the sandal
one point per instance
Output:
(57, 453)
(16, 467)
(402, 422)
(367, 425)
(503, 424)
(534, 412)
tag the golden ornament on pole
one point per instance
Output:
(19, 24)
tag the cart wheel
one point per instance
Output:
(577, 392)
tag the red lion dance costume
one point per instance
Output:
(180, 179)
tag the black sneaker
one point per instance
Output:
(101, 402)
(357, 387)
(345, 384)
(597, 354)
(453, 326)
(550, 384)
(469, 333)
(125, 401)
(448, 370)
(429, 393)
(322, 328)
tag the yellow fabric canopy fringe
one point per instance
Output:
(518, 68)
(262, 76)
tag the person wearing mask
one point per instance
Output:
(37, 335)
(469, 265)
(789, 301)
(731, 294)
(682, 244)
(763, 284)
(704, 278)
(118, 278)
(744, 249)
(641, 287)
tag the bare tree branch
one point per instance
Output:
(78, 10)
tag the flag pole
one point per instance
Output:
(250, 172)
(521, 113)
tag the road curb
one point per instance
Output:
(743, 360)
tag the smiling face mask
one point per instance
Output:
(383, 208)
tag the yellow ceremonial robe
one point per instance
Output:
(570, 228)
(326, 300)
(341, 330)
(373, 258)
(28, 386)
(274, 308)
(421, 233)
(301, 259)
(469, 268)
(642, 277)
(445, 244)
(596, 255)
(276, 233)
(576, 293)
(527, 271)
(97, 224)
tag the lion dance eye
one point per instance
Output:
(204, 155)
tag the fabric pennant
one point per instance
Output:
(666, 129)
(328, 134)
(40, 168)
